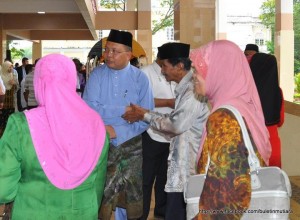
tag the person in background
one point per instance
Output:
(29, 88)
(10, 81)
(15, 73)
(7, 103)
(23, 100)
(16, 65)
(54, 170)
(80, 77)
(223, 75)
(250, 50)
(83, 74)
(135, 62)
(110, 89)
(184, 125)
(155, 144)
(2, 92)
(21, 75)
(265, 73)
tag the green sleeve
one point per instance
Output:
(10, 162)
(101, 174)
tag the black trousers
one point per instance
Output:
(176, 207)
(19, 104)
(155, 165)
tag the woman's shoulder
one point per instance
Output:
(223, 117)
(16, 125)
(222, 112)
(223, 125)
(16, 121)
(18, 116)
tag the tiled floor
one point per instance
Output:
(295, 201)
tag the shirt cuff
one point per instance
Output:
(148, 116)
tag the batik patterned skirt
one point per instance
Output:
(124, 180)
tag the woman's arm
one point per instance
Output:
(10, 168)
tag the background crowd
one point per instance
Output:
(93, 147)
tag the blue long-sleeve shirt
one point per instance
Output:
(110, 91)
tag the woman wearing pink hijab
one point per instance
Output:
(53, 158)
(224, 77)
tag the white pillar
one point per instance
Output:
(284, 46)
(221, 19)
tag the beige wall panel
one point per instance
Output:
(19, 34)
(62, 35)
(290, 151)
(145, 40)
(144, 20)
(195, 23)
(37, 51)
(122, 20)
(43, 22)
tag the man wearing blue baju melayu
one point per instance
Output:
(110, 90)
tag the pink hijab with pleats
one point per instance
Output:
(229, 81)
(68, 136)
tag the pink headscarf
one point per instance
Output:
(68, 136)
(229, 81)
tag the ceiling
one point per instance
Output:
(63, 19)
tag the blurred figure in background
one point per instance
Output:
(21, 76)
(29, 88)
(2, 92)
(10, 81)
(265, 73)
(16, 65)
(135, 62)
(80, 77)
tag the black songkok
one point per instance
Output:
(121, 37)
(252, 47)
(174, 50)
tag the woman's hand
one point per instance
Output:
(12, 82)
(134, 113)
(111, 131)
